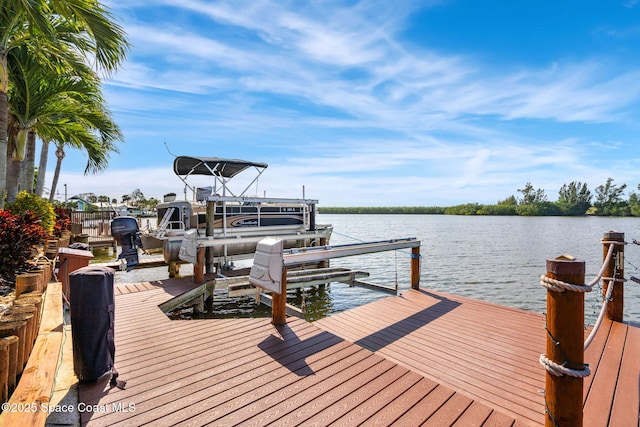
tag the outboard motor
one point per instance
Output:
(127, 234)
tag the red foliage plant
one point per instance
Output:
(63, 221)
(18, 236)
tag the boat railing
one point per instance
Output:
(259, 200)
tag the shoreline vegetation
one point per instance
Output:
(465, 209)
(574, 199)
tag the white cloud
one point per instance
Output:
(336, 82)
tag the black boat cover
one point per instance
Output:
(214, 166)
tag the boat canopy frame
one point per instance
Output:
(222, 170)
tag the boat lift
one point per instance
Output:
(270, 264)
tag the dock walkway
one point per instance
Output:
(419, 358)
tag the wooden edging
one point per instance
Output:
(29, 403)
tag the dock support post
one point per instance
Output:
(615, 271)
(279, 307)
(198, 267)
(565, 343)
(174, 269)
(415, 268)
(324, 263)
(211, 217)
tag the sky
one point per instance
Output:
(375, 103)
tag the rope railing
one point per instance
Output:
(564, 358)
(603, 310)
(561, 286)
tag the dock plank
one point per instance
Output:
(424, 358)
(463, 344)
(596, 409)
(243, 371)
(626, 402)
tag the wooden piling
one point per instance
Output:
(198, 267)
(174, 269)
(209, 231)
(279, 307)
(31, 299)
(12, 343)
(4, 371)
(26, 314)
(415, 268)
(565, 343)
(18, 329)
(615, 271)
(28, 282)
(323, 263)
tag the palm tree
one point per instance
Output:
(84, 25)
(46, 102)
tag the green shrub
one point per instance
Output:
(41, 207)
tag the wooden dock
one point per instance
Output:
(422, 357)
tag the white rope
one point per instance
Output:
(560, 286)
(605, 264)
(603, 310)
(558, 370)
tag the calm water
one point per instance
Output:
(495, 259)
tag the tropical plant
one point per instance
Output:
(43, 210)
(18, 236)
(71, 31)
(93, 131)
(63, 220)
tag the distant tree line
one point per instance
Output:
(574, 199)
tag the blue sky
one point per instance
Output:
(377, 103)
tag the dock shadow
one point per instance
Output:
(285, 347)
(395, 331)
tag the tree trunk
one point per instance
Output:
(42, 168)
(4, 117)
(56, 173)
(28, 164)
(12, 176)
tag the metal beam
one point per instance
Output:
(320, 253)
(204, 242)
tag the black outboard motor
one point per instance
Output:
(127, 234)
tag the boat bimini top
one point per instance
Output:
(225, 168)
(221, 169)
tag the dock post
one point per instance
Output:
(614, 271)
(324, 263)
(415, 268)
(211, 217)
(198, 267)
(279, 305)
(565, 343)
